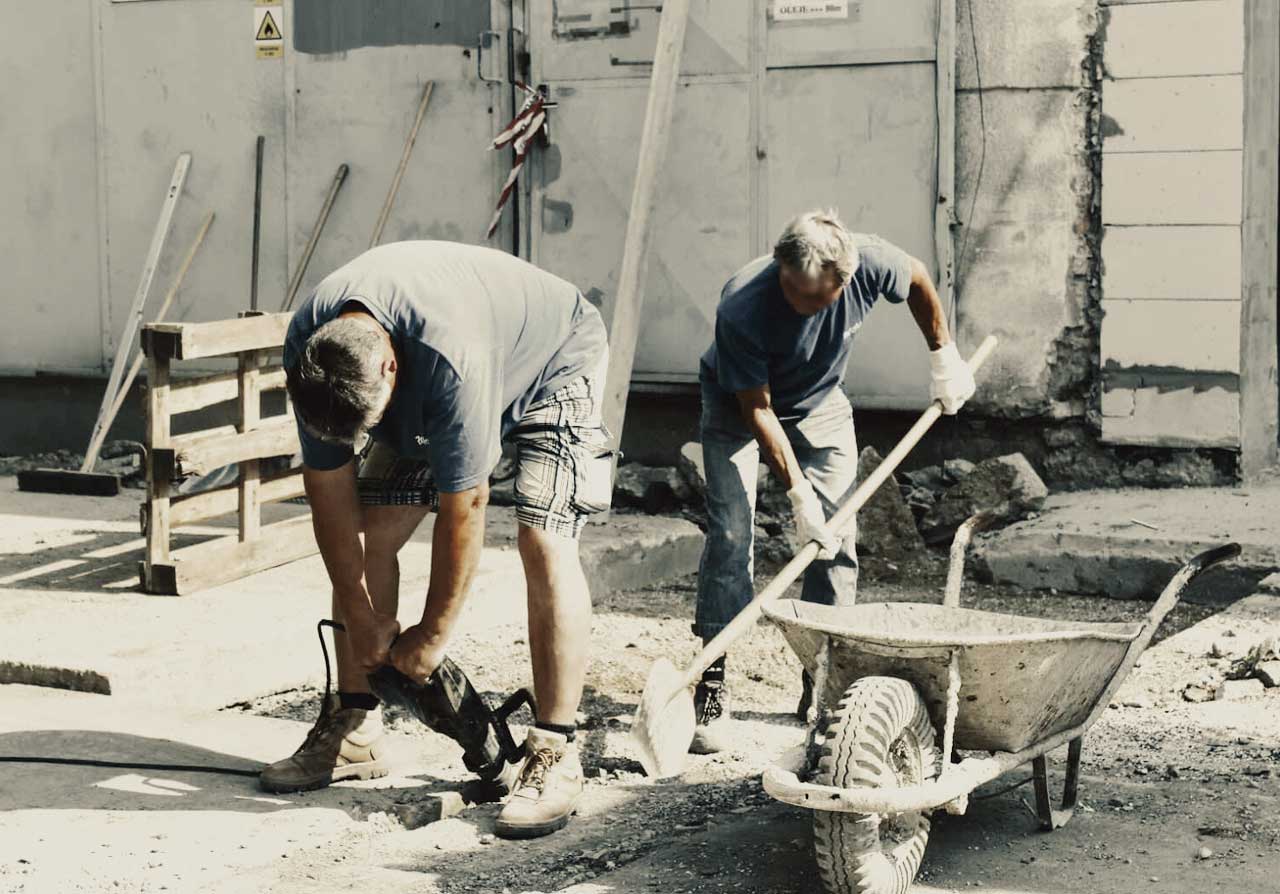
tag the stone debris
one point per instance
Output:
(1005, 484)
(886, 526)
(1270, 584)
(1238, 690)
(1268, 672)
(693, 469)
(655, 489)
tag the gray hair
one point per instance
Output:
(337, 386)
(816, 241)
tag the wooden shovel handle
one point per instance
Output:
(793, 569)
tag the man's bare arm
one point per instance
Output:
(456, 542)
(756, 405)
(335, 518)
(927, 308)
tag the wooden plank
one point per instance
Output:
(224, 500)
(1171, 188)
(157, 440)
(191, 341)
(1173, 114)
(625, 328)
(250, 409)
(1184, 417)
(1259, 400)
(206, 565)
(205, 391)
(277, 437)
(1184, 335)
(1198, 37)
(1198, 263)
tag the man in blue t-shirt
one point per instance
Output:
(772, 381)
(437, 352)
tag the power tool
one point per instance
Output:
(449, 704)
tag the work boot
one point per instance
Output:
(806, 698)
(345, 743)
(547, 791)
(711, 708)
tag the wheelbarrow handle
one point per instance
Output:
(838, 522)
(1164, 604)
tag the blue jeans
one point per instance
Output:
(827, 450)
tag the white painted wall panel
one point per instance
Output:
(1168, 39)
(1172, 188)
(1171, 262)
(49, 192)
(1190, 335)
(1186, 417)
(1173, 114)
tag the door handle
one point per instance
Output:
(483, 39)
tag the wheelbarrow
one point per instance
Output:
(900, 688)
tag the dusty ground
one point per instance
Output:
(1163, 779)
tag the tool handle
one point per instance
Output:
(404, 163)
(746, 618)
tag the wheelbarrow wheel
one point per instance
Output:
(879, 736)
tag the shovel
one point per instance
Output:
(664, 721)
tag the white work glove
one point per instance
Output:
(811, 523)
(952, 379)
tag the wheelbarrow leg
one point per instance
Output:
(1050, 818)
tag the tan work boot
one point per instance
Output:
(547, 792)
(714, 722)
(345, 743)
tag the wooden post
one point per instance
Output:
(945, 87)
(1259, 399)
(625, 327)
(157, 484)
(250, 399)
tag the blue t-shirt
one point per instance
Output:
(479, 336)
(760, 340)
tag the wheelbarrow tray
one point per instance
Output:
(1023, 680)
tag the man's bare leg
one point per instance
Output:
(559, 622)
(386, 530)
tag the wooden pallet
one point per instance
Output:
(254, 341)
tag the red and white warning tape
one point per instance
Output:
(518, 134)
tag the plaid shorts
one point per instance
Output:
(563, 464)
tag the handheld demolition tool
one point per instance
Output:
(449, 704)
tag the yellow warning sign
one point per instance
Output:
(268, 30)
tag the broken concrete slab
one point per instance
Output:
(1270, 584)
(1239, 690)
(633, 551)
(1007, 485)
(886, 526)
(691, 465)
(1128, 543)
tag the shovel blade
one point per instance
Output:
(664, 722)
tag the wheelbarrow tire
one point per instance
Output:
(879, 736)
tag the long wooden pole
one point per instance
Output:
(339, 178)
(123, 391)
(625, 327)
(134, 319)
(404, 163)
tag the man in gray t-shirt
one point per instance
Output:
(437, 352)
(772, 383)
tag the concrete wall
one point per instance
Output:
(1023, 254)
(1173, 134)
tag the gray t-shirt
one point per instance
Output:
(479, 335)
(760, 340)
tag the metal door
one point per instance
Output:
(593, 56)
(852, 121)
(354, 82)
(773, 116)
